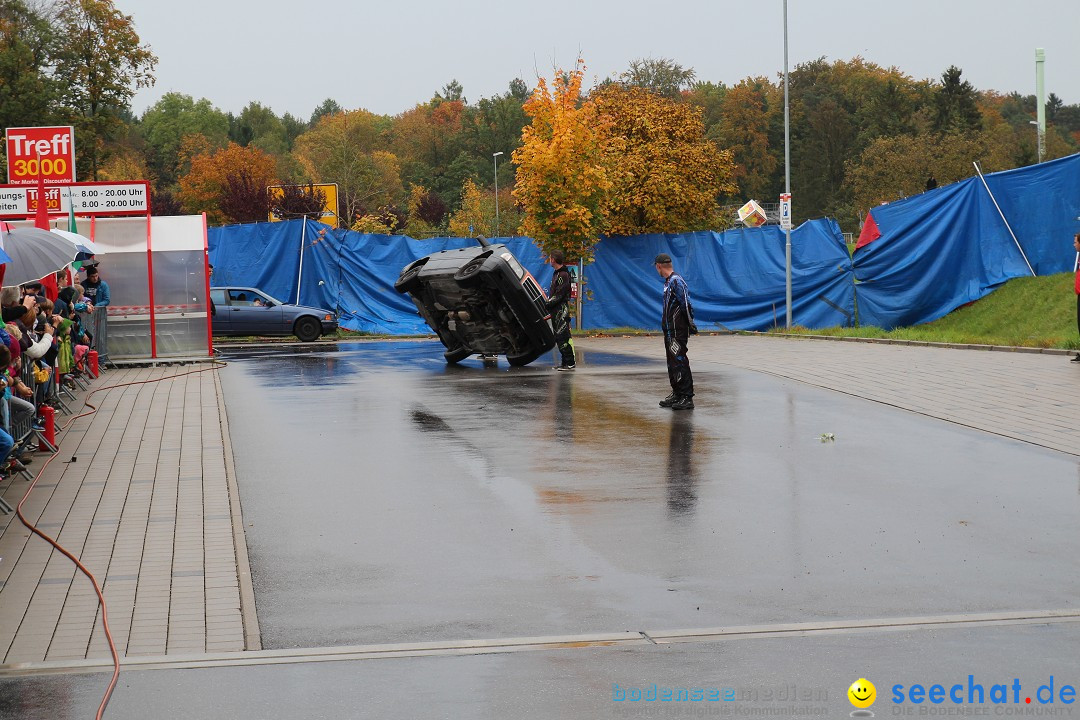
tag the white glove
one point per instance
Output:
(674, 347)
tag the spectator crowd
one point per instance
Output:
(45, 350)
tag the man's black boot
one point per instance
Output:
(683, 403)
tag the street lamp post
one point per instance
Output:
(787, 174)
(495, 158)
(1040, 98)
(1038, 136)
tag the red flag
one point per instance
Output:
(3, 268)
(869, 233)
(49, 287)
(41, 220)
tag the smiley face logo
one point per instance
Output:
(862, 693)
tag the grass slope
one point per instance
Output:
(1030, 312)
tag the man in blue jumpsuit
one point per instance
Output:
(558, 305)
(676, 321)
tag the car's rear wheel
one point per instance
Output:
(307, 329)
(408, 280)
(468, 275)
(523, 359)
(453, 357)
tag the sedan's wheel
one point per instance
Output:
(307, 329)
(408, 280)
(453, 357)
(523, 359)
(469, 273)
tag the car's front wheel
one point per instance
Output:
(307, 329)
(453, 357)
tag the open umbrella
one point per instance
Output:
(82, 243)
(32, 253)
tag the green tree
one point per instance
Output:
(257, 125)
(892, 107)
(819, 160)
(494, 125)
(830, 125)
(956, 104)
(28, 92)
(167, 122)
(329, 106)
(519, 90)
(343, 149)
(102, 63)
(710, 98)
(892, 168)
(294, 128)
(662, 76)
(451, 92)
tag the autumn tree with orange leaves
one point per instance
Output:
(562, 177)
(229, 184)
(749, 110)
(665, 175)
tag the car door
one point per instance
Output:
(243, 319)
(252, 313)
(221, 319)
(266, 314)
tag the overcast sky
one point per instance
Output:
(387, 56)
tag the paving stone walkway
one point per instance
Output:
(140, 492)
(1027, 396)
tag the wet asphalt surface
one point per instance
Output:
(389, 498)
(580, 684)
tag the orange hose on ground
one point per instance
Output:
(82, 568)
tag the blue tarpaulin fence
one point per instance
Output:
(950, 246)
(936, 252)
(736, 278)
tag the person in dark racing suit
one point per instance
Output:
(676, 322)
(558, 305)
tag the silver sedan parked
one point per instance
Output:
(250, 311)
